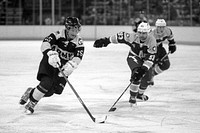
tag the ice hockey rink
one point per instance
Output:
(173, 105)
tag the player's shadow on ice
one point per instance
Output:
(55, 108)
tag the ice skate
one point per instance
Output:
(132, 101)
(25, 96)
(151, 83)
(29, 108)
(142, 97)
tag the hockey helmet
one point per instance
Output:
(72, 22)
(144, 27)
(160, 22)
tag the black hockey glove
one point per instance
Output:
(144, 49)
(172, 48)
(102, 42)
(137, 74)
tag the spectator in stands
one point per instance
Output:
(61, 21)
(47, 21)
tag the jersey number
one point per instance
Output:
(120, 36)
(80, 53)
(151, 57)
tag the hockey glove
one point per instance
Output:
(102, 42)
(54, 59)
(172, 48)
(138, 74)
(68, 68)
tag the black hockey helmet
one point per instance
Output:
(72, 21)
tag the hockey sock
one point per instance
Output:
(157, 70)
(134, 90)
(36, 95)
(141, 91)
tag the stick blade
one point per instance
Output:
(112, 109)
(101, 120)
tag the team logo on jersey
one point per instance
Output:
(134, 59)
(154, 48)
(63, 54)
(80, 41)
(48, 39)
(127, 35)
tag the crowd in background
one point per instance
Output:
(99, 12)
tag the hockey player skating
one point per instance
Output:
(140, 58)
(64, 47)
(162, 33)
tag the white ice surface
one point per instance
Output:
(173, 107)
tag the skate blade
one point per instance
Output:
(27, 112)
(132, 105)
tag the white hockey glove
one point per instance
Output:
(68, 68)
(54, 59)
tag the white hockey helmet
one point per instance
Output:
(144, 27)
(160, 22)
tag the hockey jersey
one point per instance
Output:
(68, 49)
(165, 35)
(145, 50)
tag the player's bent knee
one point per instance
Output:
(49, 93)
(59, 89)
(164, 66)
(144, 85)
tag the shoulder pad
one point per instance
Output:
(59, 33)
(78, 41)
(168, 31)
(151, 41)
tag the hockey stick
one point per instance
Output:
(165, 56)
(80, 100)
(112, 109)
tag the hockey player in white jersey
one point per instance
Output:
(140, 58)
(162, 33)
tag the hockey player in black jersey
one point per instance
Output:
(63, 49)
